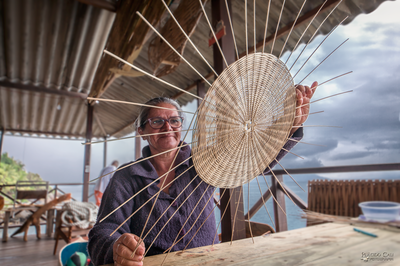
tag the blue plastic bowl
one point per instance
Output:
(380, 211)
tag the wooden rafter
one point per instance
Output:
(126, 38)
(104, 4)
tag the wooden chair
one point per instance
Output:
(68, 233)
(23, 191)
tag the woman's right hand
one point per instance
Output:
(124, 247)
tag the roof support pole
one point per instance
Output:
(233, 220)
(1, 141)
(105, 152)
(86, 166)
(280, 216)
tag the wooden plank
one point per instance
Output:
(32, 252)
(311, 246)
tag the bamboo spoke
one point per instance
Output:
(277, 26)
(272, 194)
(265, 206)
(248, 209)
(315, 32)
(237, 207)
(173, 49)
(233, 32)
(177, 209)
(187, 37)
(150, 75)
(212, 30)
(289, 175)
(266, 26)
(205, 205)
(223, 215)
(291, 29)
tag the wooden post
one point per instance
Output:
(1, 142)
(201, 91)
(105, 152)
(280, 217)
(86, 163)
(226, 42)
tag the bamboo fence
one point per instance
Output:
(341, 197)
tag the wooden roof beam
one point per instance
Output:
(300, 21)
(103, 4)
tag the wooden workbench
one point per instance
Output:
(324, 244)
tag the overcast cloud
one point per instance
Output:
(369, 116)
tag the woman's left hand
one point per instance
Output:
(303, 97)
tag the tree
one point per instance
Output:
(12, 171)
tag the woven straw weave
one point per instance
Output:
(244, 121)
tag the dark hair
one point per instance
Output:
(145, 110)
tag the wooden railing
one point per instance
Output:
(55, 189)
(279, 192)
(276, 189)
(341, 197)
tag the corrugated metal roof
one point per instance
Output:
(52, 44)
(48, 47)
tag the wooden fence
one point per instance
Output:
(341, 197)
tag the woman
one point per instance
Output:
(182, 193)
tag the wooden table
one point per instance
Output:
(10, 211)
(324, 244)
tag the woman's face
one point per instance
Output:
(162, 142)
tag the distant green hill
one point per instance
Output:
(12, 171)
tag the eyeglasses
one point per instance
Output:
(158, 122)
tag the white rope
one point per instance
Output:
(82, 214)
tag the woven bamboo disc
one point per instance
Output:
(244, 121)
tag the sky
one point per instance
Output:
(368, 117)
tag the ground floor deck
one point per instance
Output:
(33, 252)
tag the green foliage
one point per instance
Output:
(12, 171)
